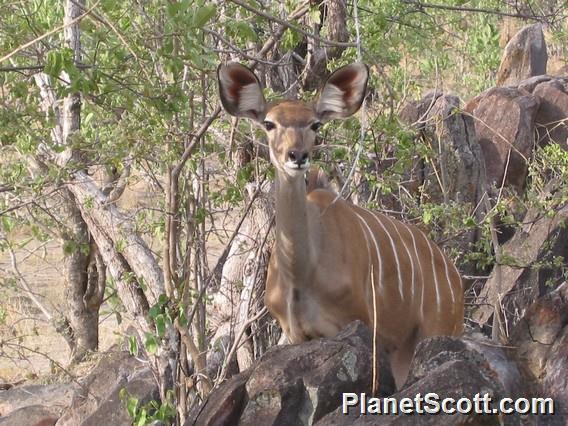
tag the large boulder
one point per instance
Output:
(450, 367)
(505, 128)
(297, 384)
(524, 56)
(97, 401)
(552, 116)
(56, 396)
(33, 415)
(457, 155)
(457, 166)
(541, 342)
(456, 170)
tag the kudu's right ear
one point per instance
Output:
(240, 91)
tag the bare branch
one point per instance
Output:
(534, 17)
(287, 24)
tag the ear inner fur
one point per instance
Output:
(240, 91)
(343, 92)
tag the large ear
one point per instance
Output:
(240, 91)
(343, 92)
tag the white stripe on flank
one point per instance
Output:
(447, 275)
(419, 267)
(392, 221)
(380, 262)
(368, 253)
(395, 254)
(439, 305)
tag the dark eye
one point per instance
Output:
(315, 126)
(269, 125)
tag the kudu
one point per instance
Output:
(330, 254)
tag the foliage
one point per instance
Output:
(152, 411)
(147, 84)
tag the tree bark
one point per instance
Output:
(84, 272)
(81, 276)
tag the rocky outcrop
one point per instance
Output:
(57, 396)
(541, 339)
(552, 116)
(456, 151)
(97, 400)
(29, 405)
(451, 368)
(505, 127)
(456, 169)
(457, 165)
(297, 384)
(303, 384)
(541, 239)
(33, 415)
(524, 56)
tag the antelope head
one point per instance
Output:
(291, 126)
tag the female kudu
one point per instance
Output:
(331, 254)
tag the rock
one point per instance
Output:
(552, 117)
(457, 169)
(504, 125)
(224, 405)
(524, 56)
(452, 368)
(33, 415)
(541, 341)
(459, 158)
(540, 239)
(414, 113)
(57, 396)
(457, 154)
(529, 84)
(98, 402)
(555, 380)
(298, 384)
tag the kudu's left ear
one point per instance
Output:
(240, 91)
(343, 92)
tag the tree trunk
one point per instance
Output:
(84, 283)
(84, 271)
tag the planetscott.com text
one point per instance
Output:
(432, 403)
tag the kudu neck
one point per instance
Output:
(292, 226)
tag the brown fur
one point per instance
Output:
(334, 262)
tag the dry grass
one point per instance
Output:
(31, 346)
(32, 350)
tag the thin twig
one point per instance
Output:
(26, 286)
(235, 346)
(478, 10)
(375, 315)
(292, 26)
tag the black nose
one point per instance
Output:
(298, 157)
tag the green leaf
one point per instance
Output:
(151, 343)
(143, 419)
(162, 299)
(244, 30)
(53, 63)
(183, 321)
(160, 322)
(154, 311)
(88, 118)
(427, 216)
(7, 223)
(203, 15)
(132, 345)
